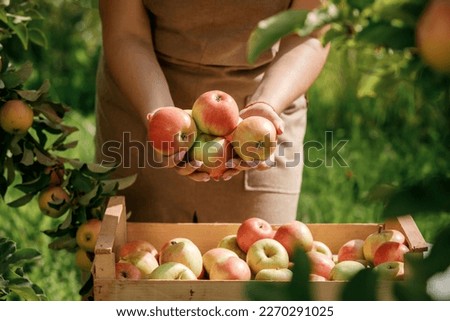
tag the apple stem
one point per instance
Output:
(380, 228)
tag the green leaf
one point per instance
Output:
(21, 200)
(267, 291)
(362, 287)
(272, 29)
(360, 4)
(299, 287)
(66, 242)
(86, 198)
(10, 171)
(24, 255)
(15, 78)
(35, 185)
(119, 183)
(4, 3)
(33, 95)
(386, 35)
(21, 32)
(7, 248)
(24, 289)
(27, 157)
(38, 37)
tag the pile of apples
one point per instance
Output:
(259, 251)
(212, 132)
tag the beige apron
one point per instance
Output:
(201, 46)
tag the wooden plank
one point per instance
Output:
(409, 228)
(104, 266)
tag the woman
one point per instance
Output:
(167, 53)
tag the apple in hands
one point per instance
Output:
(252, 230)
(125, 270)
(267, 254)
(215, 113)
(172, 271)
(230, 242)
(374, 240)
(232, 268)
(294, 234)
(254, 139)
(182, 250)
(389, 252)
(170, 129)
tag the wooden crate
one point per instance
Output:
(116, 231)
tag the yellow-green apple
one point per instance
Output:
(53, 201)
(143, 260)
(322, 248)
(215, 255)
(351, 251)
(390, 251)
(16, 117)
(182, 250)
(127, 271)
(87, 234)
(213, 152)
(232, 268)
(170, 129)
(320, 264)
(254, 139)
(293, 235)
(345, 270)
(137, 246)
(433, 35)
(216, 113)
(315, 277)
(374, 240)
(252, 230)
(172, 271)
(267, 254)
(282, 274)
(230, 242)
(83, 259)
(390, 270)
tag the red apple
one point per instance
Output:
(374, 240)
(232, 268)
(322, 248)
(127, 271)
(215, 255)
(182, 250)
(320, 264)
(252, 230)
(143, 260)
(267, 254)
(390, 270)
(213, 151)
(315, 277)
(215, 113)
(294, 234)
(351, 251)
(390, 251)
(254, 139)
(137, 246)
(172, 271)
(170, 129)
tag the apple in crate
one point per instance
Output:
(143, 260)
(170, 129)
(351, 251)
(127, 271)
(282, 274)
(345, 270)
(137, 246)
(294, 234)
(267, 254)
(232, 268)
(182, 250)
(389, 252)
(254, 139)
(172, 271)
(230, 242)
(215, 255)
(320, 264)
(315, 277)
(390, 270)
(374, 240)
(216, 113)
(252, 230)
(322, 248)
(213, 152)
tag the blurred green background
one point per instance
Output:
(390, 138)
